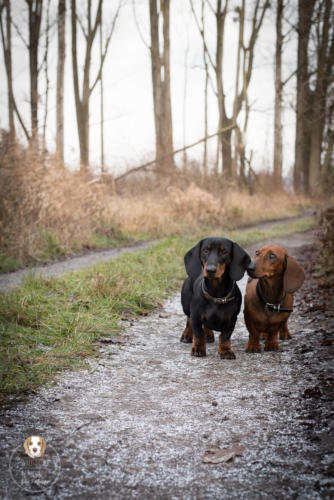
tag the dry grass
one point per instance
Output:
(184, 210)
(47, 211)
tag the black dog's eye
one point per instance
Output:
(206, 251)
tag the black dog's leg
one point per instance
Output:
(199, 345)
(187, 335)
(209, 335)
(224, 346)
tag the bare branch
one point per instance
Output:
(202, 33)
(20, 35)
(148, 164)
(106, 46)
(82, 26)
(138, 27)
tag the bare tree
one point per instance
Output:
(161, 85)
(314, 75)
(324, 76)
(82, 96)
(60, 80)
(46, 71)
(278, 139)
(7, 52)
(245, 60)
(206, 57)
(35, 9)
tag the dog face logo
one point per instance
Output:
(35, 446)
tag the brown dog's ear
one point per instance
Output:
(43, 445)
(294, 275)
(240, 261)
(26, 445)
(192, 261)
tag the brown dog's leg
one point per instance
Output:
(284, 333)
(187, 335)
(271, 343)
(224, 349)
(253, 344)
(209, 335)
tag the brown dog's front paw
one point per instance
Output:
(273, 346)
(227, 355)
(285, 335)
(186, 339)
(198, 351)
(253, 348)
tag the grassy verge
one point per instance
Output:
(52, 324)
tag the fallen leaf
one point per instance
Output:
(312, 392)
(218, 455)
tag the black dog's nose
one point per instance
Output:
(251, 267)
(211, 269)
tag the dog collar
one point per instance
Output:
(272, 307)
(218, 300)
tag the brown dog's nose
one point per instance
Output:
(34, 450)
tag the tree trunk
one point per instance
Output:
(304, 98)
(7, 52)
(319, 102)
(248, 59)
(161, 88)
(35, 18)
(278, 148)
(60, 80)
(82, 98)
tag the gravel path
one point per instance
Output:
(136, 423)
(14, 279)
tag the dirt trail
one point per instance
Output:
(14, 279)
(136, 424)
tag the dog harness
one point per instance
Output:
(218, 300)
(272, 307)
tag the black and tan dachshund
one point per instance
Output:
(210, 297)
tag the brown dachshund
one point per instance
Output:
(275, 276)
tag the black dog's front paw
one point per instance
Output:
(186, 339)
(198, 351)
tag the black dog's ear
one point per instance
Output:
(240, 261)
(192, 261)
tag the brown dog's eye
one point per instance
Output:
(257, 252)
(272, 256)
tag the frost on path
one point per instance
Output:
(137, 423)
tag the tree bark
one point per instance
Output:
(247, 68)
(319, 102)
(60, 80)
(35, 9)
(161, 87)
(82, 98)
(278, 140)
(304, 98)
(7, 52)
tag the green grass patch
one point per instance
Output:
(52, 324)
(9, 264)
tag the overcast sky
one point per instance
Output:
(128, 110)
